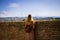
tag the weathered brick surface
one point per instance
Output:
(12, 31)
(44, 30)
(47, 30)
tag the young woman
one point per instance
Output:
(29, 28)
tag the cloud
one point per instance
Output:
(3, 12)
(13, 5)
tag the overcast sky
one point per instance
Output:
(21, 8)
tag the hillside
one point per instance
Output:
(19, 19)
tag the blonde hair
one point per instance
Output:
(29, 18)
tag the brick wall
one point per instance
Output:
(11, 31)
(44, 30)
(47, 30)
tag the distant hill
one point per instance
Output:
(19, 19)
(9, 19)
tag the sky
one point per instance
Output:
(37, 8)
